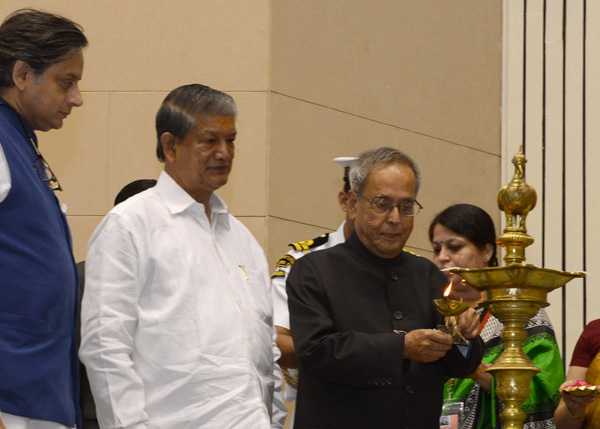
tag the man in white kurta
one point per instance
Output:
(177, 315)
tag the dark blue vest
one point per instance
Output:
(38, 290)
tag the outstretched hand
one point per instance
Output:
(426, 345)
(468, 324)
(575, 404)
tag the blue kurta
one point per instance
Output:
(38, 290)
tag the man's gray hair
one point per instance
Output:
(181, 108)
(377, 158)
(38, 38)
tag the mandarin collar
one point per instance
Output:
(360, 249)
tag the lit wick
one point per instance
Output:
(451, 308)
(447, 291)
(446, 299)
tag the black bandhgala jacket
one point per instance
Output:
(349, 312)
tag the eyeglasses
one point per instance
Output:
(45, 173)
(407, 208)
(40, 165)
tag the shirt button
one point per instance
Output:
(409, 389)
(394, 275)
(398, 315)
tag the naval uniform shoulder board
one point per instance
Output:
(412, 253)
(283, 262)
(288, 260)
(306, 246)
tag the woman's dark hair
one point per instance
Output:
(38, 38)
(471, 222)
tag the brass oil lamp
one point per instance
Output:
(514, 294)
(451, 308)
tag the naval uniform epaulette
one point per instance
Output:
(288, 260)
(283, 262)
(305, 246)
(412, 253)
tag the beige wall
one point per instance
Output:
(313, 80)
(421, 76)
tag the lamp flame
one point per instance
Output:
(448, 290)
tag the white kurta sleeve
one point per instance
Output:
(279, 409)
(108, 323)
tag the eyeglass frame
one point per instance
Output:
(392, 205)
(52, 181)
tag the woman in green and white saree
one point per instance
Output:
(464, 236)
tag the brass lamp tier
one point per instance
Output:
(514, 294)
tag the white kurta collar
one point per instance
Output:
(178, 200)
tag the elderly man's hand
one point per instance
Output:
(468, 323)
(426, 345)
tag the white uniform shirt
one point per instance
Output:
(177, 316)
(281, 314)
